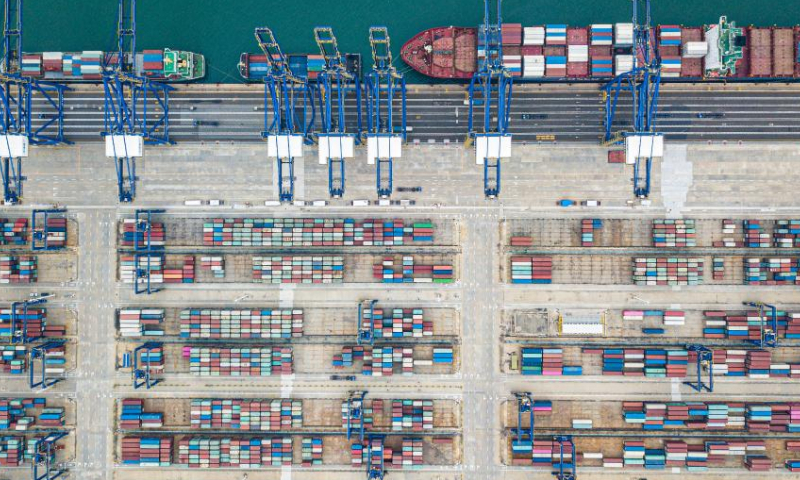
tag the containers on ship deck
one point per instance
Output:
(602, 34)
(760, 52)
(555, 34)
(533, 36)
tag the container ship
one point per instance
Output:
(162, 65)
(560, 53)
(253, 67)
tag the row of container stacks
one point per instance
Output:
(542, 453)
(147, 451)
(239, 362)
(235, 452)
(152, 358)
(14, 451)
(771, 271)
(671, 271)
(155, 268)
(256, 415)
(668, 317)
(531, 270)
(695, 457)
(241, 323)
(547, 362)
(20, 414)
(785, 234)
(132, 415)
(147, 231)
(298, 269)
(747, 325)
(589, 226)
(775, 417)
(521, 241)
(30, 325)
(652, 363)
(311, 451)
(215, 265)
(718, 268)
(18, 269)
(396, 269)
(13, 359)
(153, 61)
(314, 232)
(396, 323)
(674, 233)
(86, 65)
(409, 455)
(414, 415)
(309, 66)
(137, 322)
(56, 232)
(14, 231)
(383, 361)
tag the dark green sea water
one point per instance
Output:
(222, 29)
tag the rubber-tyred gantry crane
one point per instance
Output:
(136, 108)
(17, 90)
(288, 112)
(490, 88)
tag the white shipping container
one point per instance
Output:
(578, 53)
(695, 49)
(533, 36)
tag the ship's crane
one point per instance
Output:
(17, 90)
(490, 88)
(288, 112)
(335, 86)
(642, 143)
(136, 109)
(44, 452)
(705, 361)
(385, 88)
(19, 326)
(366, 333)
(769, 333)
(566, 471)
(355, 414)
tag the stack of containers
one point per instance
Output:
(786, 234)
(367, 410)
(401, 322)
(718, 272)
(239, 362)
(90, 65)
(758, 463)
(31, 65)
(577, 52)
(555, 66)
(15, 415)
(513, 64)
(588, 228)
(277, 452)
(728, 228)
(11, 449)
(256, 415)
(546, 361)
(389, 271)
(153, 61)
(131, 236)
(34, 322)
(154, 357)
(314, 66)
(443, 355)
(533, 66)
(410, 455)
(602, 66)
(671, 66)
(623, 34)
(18, 269)
(758, 363)
(533, 36)
(311, 453)
(12, 359)
(771, 271)
(56, 229)
(147, 451)
(135, 322)
(66, 64)
(196, 452)
(654, 363)
(298, 269)
(314, 232)
(133, 415)
(667, 271)
(52, 61)
(13, 231)
(215, 265)
(602, 34)
(511, 34)
(669, 36)
(755, 235)
(128, 265)
(623, 64)
(674, 233)
(521, 241)
(244, 323)
(555, 34)
(185, 274)
(531, 270)
(415, 415)
(793, 465)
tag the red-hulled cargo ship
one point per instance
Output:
(560, 53)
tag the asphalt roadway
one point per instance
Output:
(440, 113)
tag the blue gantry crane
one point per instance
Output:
(143, 374)
(769, 332)
(490, 89)
(385, 92)
(355, 414)
(44, 454)
(704, 362)
(642, 142)
(567, 467)
(143, 224)
(41, 230)
(525, 405)
(19, 318)
(144, 251)
(376, 469)
(136, 108)
(288, 112)
(17, 90)
(366, 333)
(335, 86)
(38, 354)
